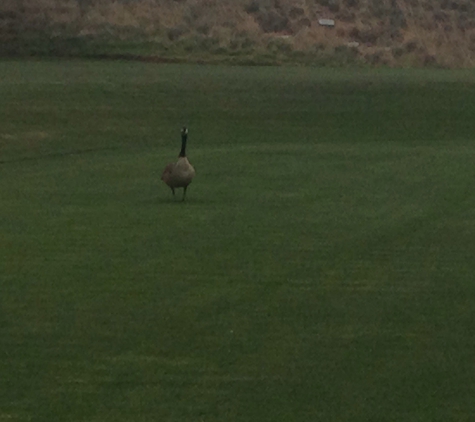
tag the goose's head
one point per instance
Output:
(184, 132)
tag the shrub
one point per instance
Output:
(295, 12)
(428, 7)
(377, 8)
(203, 29)
(346, 15)
(464, 8)
(397, 52)
(429, 60)
(272, 21)
(428, 25)
(397, 19)
(301, 24)
(333, 6)
(375, 59)
(176, 33)
(410, 46)
(368, 35)
(396, 35)
(247, 43)
(278, 45)
(208, 43)
(453, 6)
(345, 55)
(354, 33)
(318, 47)
(341, 32)
(252, 7)
(441, 16)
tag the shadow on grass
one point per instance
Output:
(178, 201)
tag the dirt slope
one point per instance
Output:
(378, 32)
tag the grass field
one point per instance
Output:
(321, 269)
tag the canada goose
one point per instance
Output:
(181, 173)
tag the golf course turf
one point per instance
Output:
(321, 269)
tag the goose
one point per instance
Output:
(181, 173)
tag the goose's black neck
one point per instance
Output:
(184, 136)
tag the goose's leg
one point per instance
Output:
(173, 191)
(184, 193)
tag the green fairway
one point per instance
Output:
(321, 269)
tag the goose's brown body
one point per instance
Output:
(181, 173)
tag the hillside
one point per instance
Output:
(376, 32)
